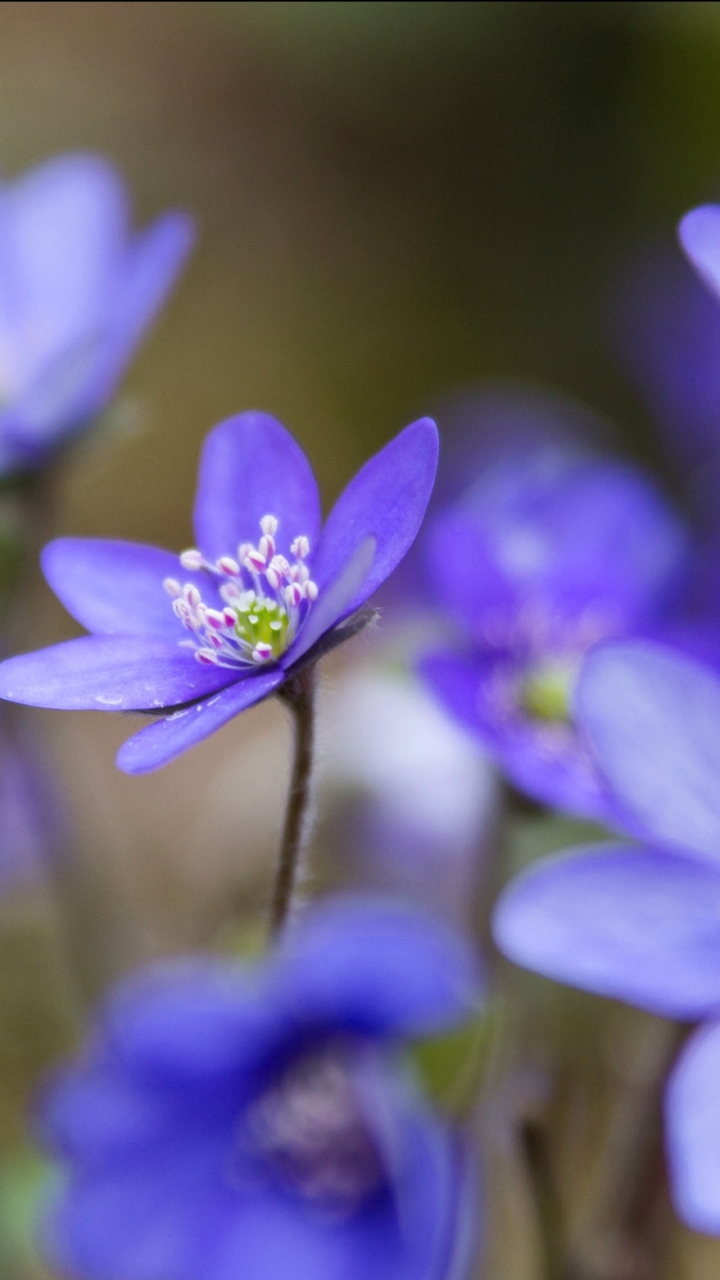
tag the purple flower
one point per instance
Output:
(227, 1121)
(642, 924)
(201, 638)
(549, 550)
(77, 293)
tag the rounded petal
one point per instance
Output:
(386, 502)
(692, 1119)
(699, 235)
(637, 924)
(652, 718)
(548, 762)
(153, 262)
(62, 231)
(168, 738)
(376, 966)
(150, 1217)
(116, 587)
(109, 673)
(189, 1020)
(252, 467)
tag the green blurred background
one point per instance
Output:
(393, 199)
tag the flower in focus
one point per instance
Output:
(201, 637)
(229, 1122)
(77, 293)
(551, 549)
(642, 924)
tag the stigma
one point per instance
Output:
(262, 600)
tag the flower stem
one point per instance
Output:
(298, 693)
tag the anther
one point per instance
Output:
(311, 591)
(254, 561)
(293, 594)
(266, 547)
(206, 656)
(262, 651)
(300, 547)
(192, 559)
(243, 550)
(226, 564)
(230, 617)
(173, 588)
(269, 526)
(214, 619)
(191, 595)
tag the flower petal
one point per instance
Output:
(653, 720)
(162, 741)
(637, 924)
(386, 501)
(546, 761)
(699, 235)
(117, 587)
(333, 603)
(146, 1218)
(62, 230)
(252, 467)
(375, 966)
(109, 673)
(692, 1118)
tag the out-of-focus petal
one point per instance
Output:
(162, 741)
(190, 1020)
(62, 230)
(378, 966)
(692, 1118)
(117, 587)
(252, 467)
(332, 604)
(150, 1217)
(699, 235)
(109, 673)
(637, 924)
(653, 720)
(385, 501)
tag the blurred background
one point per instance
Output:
(394, 200)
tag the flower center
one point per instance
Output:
(545, 691)
(265, 600)
(309, 1132)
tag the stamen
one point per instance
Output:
(251, 627)
(192, 559)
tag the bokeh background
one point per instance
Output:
(394, 200)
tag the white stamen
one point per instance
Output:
(311, 591)
(293, 594)
(243, 550)
(192, 559)
(254, 561)
(262, 651)
(269, 525)
(173, 588)
(266, 547)
(226, 564)
(192, 595)
(230, 617)
(300, 547)
(215, 619)
(207, 657)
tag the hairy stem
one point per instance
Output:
(298, 694)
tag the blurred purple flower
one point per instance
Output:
(249, 610)
(549, 550)
(228, 1122)
(77, 293)
(642, 924)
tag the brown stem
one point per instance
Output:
(298, 694)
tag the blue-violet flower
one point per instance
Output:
(551, 549)
(642, 923)
(77, 293)
(198, 639)
(228, 1121)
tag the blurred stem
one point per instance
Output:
(298, 694)
(621, 1238)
